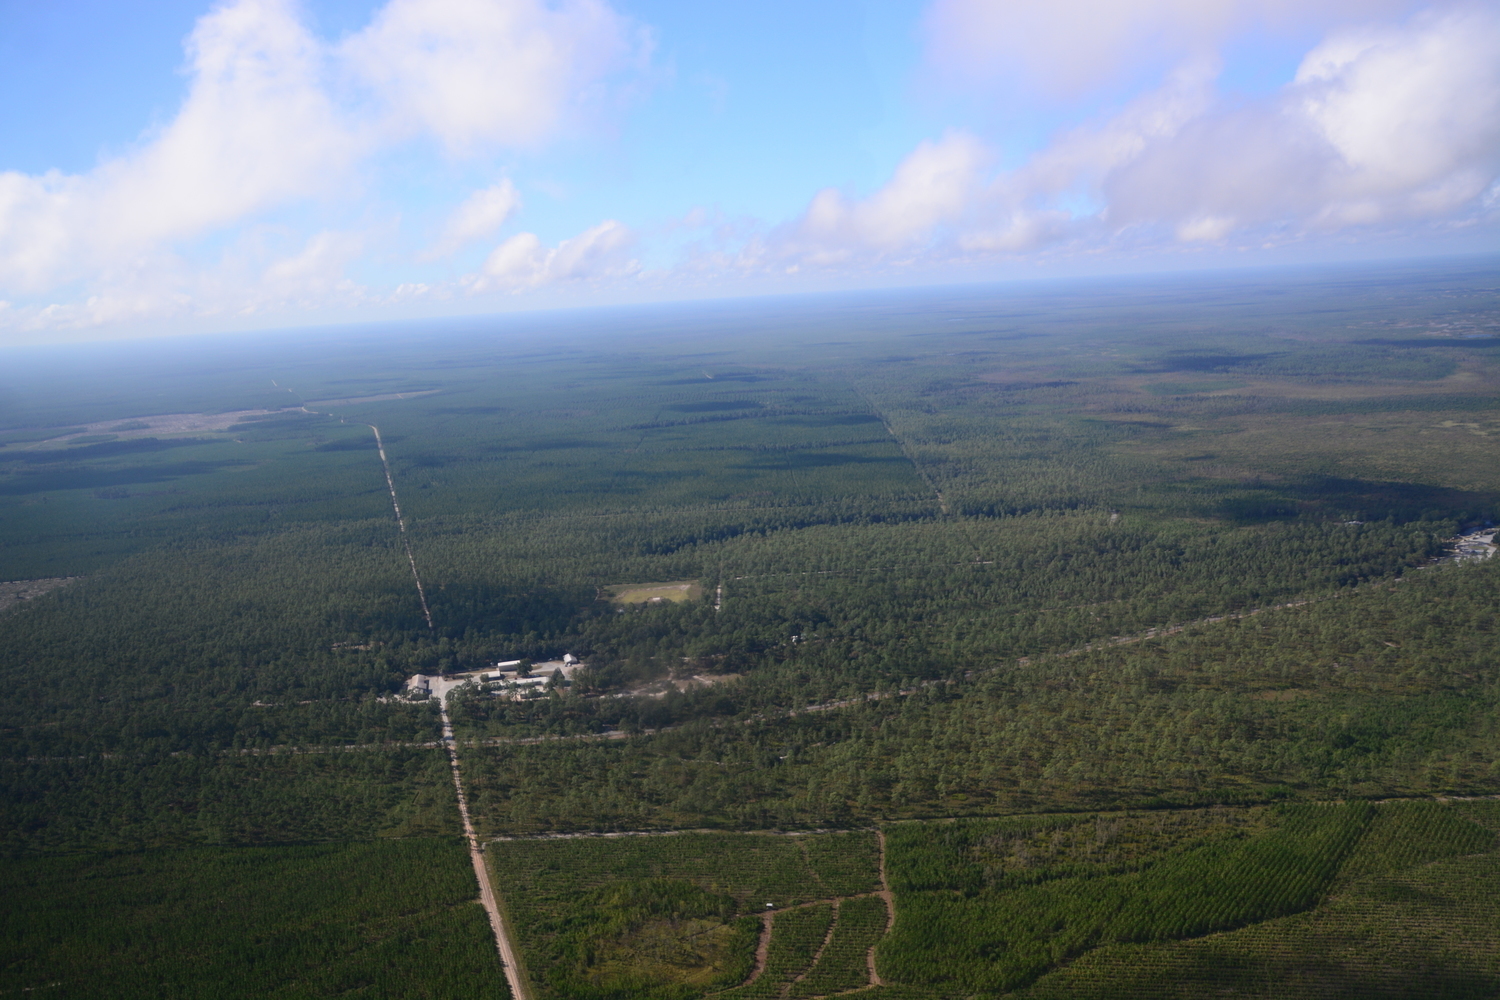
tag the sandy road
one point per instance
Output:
(884, 892)
(390, 484)
(768, 925)
(487, 897)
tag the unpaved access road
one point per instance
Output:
(487, 898)
(486, 892)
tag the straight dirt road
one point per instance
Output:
(476, 854)
(487, 897)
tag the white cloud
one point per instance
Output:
(316, 269)
(255, 130)
(487, 71)
(481, 214)
(250, 278)
(932, 186)
(522, 262)
(1066, 47)
(1405, 110)
(941, 199)
(1378, 127)
(275, 117)
(1388, 126)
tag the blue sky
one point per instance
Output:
(186, 166)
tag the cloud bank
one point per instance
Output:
(1381, 126)
(480, 215)
(256, 197)
(276, 117)
(472, 72)
(521, 262)
(1065, 47)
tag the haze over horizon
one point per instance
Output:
(257, 164)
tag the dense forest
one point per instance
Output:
(970, 567)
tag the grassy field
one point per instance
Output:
(654, 593)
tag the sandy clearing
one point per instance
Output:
(351, 400)
(653, 593)
(155, 426)
(13, 592)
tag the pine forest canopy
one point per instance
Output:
(1067, 639)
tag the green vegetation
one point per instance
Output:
(1406, 835)
(1428, 933)
(675, 915)
(796, 938)
(389, 919)
(843, 964)
(129, 802)
(1112, 903)
(653, 937)
(1000, 940)
(1330, 698)
(1135, 583)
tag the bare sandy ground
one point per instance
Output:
(164, 423)
(14, 592)
(350, 400)
(191, 423)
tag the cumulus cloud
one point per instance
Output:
(932, 186)
(256, 129)
(481, 214)
(1380, 126)
(252, 277)
(315, 270)
(486, 71)
(275, 116)
(522, 262)
(1065, 47)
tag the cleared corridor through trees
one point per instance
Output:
(487, 898)
(401, 524)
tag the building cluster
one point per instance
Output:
(506, 679)
(1477, 544)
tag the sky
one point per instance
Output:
(183, 166)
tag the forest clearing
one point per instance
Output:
(646, 593)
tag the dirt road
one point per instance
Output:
(487, 896)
